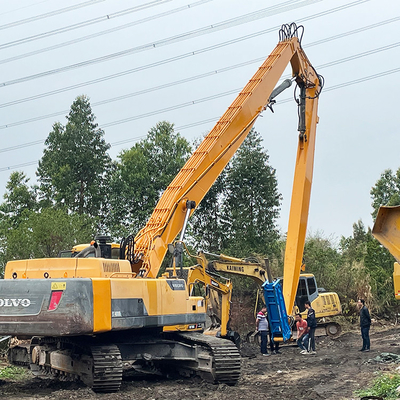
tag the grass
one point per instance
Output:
(385, 385)
(12, 373)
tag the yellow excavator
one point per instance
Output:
(325, 304)
(387, 231)
(90, 318)
(217, 294)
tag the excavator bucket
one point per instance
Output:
(387, 231)
(278, 318)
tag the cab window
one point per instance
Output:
(312, 287)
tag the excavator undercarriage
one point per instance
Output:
(101, 365)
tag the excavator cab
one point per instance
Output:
(101, 246)
(307, 290)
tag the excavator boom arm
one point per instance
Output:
(207, 162)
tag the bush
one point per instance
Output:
(385, 385)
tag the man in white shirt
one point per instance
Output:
(262, 327)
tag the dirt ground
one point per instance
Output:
(335, 372)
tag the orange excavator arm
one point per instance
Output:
(207, 162)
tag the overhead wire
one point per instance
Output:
(91, 22)
(339, 86)
(182, 56)
(21, 8)
(49, 14)
(210, 73)
(184, 36)
(198, 101)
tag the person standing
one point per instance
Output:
(262, 327)
(273, 345)
(301, 328)
(312, 324)
(365, 324)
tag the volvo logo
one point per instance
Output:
(15, 302)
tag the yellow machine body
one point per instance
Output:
(387, 231)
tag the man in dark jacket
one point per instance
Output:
(312, 324)
(365, 323)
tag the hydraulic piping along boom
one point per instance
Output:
(218, 147)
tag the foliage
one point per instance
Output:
(13, 373)
(45, 234)
(75, 163)
(379, 265)
(141, 174)
(205, 227)
(252, 201)
(322, 259)
(386, 191)
(238, 215)
(385, 385)
(18, 198)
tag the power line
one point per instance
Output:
(145, 91)
(49, 14)
(190, 54)
(29, 163)
(335, 87)
(91, 22)
(182, 105)
(21, 8)
(96, 20)
(173, 39)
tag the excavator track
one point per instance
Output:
(107, 368)
(224, 354)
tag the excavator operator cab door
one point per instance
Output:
(307, 290)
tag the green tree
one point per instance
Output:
(252, 201)
(354, 248)
(45, 233)
(205, 230)
(386, 191)
(322, 259)
(379, 266)
(18, 198)
(73, 170)
(141, 175)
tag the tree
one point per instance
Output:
(252, 201)
(18, 198)
(354, 248)
(322, 259)
(141, 175)
(386, 191)
(44, 234)
(73, 170)
(205, 228)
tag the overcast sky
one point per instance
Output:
(144, 61)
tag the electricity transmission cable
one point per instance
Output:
(177, 38)
(192, 53)
(21, 8)
(49, 14)
(185, 104)
(94, 21)
(335, 87)
(58, 113)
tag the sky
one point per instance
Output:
(185, 61)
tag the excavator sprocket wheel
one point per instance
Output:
(107, 368)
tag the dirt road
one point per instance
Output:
(334, 373)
